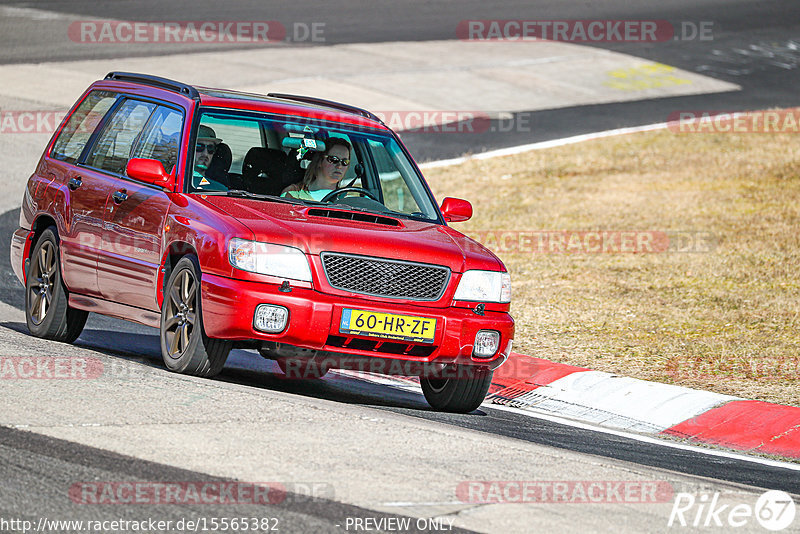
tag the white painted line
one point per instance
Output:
(646, 439)
(620, 401)
(32, 13)
(653, 440)
(543, 145)
(533, 413)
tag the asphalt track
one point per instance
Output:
(47, 464)
(755, 44)
(129, 340)
(753, 47)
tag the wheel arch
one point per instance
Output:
(172, 255)
(41, 223)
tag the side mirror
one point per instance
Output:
(456, 210)
(150, 171)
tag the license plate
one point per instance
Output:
(388, 325)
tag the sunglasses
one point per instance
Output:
(333, 160)
(210, 148)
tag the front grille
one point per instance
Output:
(385, 278)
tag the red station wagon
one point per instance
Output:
(189, 209)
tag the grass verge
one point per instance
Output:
(705, 293)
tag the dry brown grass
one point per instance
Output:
(726, 320)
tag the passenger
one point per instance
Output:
(207, 143)
(324, 173)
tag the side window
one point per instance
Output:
(113, 148)
(161, 138)
(396, 194)
(81, 125)
(239, 134)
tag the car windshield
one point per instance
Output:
(280, 156)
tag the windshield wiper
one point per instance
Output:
(241, 193)
(343, 206)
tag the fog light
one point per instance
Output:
(270, 319)
(486, 343)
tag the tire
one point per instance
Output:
(47, 310)
(459, 389)
(185, 347)
(302, 368)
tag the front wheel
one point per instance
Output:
(47, 310)
(457, 388)
(185, 347)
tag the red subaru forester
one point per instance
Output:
(166, 204)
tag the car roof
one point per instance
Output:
(283, 104)
(287, 104)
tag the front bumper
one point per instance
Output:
(314, 318)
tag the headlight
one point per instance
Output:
(265, 258)
(484, 286)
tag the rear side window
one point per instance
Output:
(113, 148)
(161, 137)
(81, 125)
(239, 135)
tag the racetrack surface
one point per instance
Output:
(131, 341)
(754, 44)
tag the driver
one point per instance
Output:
(207, 143)
(324, 173)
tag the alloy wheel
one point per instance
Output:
(181, 313)
(43, 278)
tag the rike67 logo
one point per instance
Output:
(774, 510)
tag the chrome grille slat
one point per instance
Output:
(384, 277)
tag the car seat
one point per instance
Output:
(220, 165)
(263, 169)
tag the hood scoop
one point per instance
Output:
(354, 216)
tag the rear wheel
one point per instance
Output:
(457, 388)
(47, 311)
(185, 347)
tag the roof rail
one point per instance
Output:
(328, 103)
(155, 81)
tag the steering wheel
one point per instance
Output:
(351, 189)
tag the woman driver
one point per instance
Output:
(324, 173)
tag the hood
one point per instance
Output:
(315, 230)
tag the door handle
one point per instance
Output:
(75, 183)
(119, 197)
